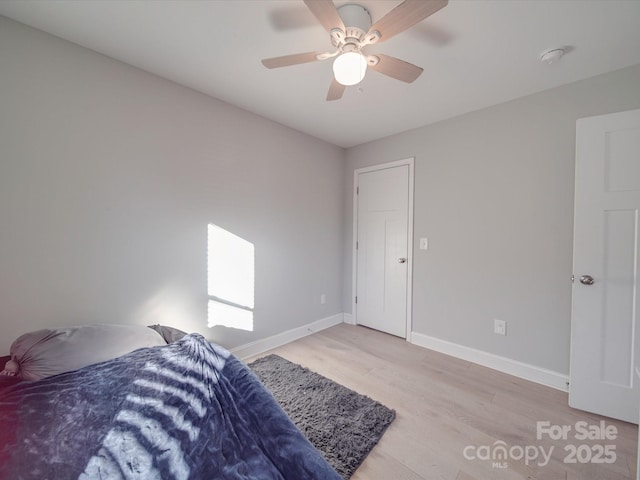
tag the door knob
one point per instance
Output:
(586, 280)
(402, 260)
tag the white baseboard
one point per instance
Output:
(502, 364)
(261, 346)
(496, 362)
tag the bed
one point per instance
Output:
(184, 410)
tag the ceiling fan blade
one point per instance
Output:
(335, 91)
(396, 68)
(326, 13)
(406, 15)
(287, 60)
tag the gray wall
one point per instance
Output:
(109, 176)
(494, 195)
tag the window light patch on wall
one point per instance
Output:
(230, 282)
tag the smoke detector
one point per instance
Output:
(551, 56)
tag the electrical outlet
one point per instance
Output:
(323, 299)
(499, 327)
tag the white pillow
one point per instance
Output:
(48, 352)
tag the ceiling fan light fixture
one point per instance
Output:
(350, 68)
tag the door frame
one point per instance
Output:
(354, 253)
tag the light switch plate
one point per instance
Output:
(424, 243)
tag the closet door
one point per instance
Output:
(383, 253)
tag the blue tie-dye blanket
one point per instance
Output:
(188, 410)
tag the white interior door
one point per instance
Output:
(604, 329)
(383, 253)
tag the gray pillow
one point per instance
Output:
(48, 352)
(169, 334)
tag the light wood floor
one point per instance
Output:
(446, 407)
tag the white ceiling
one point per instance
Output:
(475, 53)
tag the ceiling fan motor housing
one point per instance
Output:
(355, 16)
(357, 21)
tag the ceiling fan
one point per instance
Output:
(350, 30)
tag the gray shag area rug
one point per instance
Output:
(342, 424)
